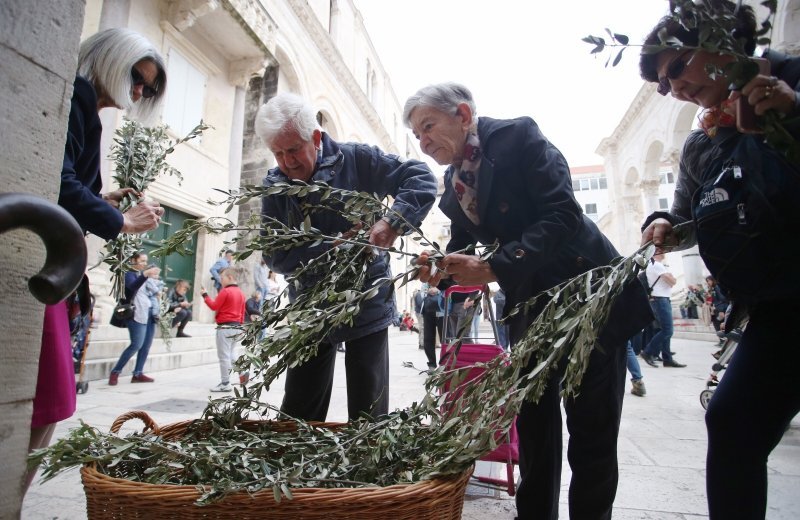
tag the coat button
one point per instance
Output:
(519, 253)
(503, 207)
(579, 261)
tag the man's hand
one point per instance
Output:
(428, 273)
(467, 269)
(146, 215)
(381, 234)
(660, 233)
(116, 196)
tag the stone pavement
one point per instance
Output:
(662, 443)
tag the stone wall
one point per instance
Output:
(38, 52)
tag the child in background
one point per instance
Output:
(230, 311)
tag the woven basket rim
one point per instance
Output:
(428, 487)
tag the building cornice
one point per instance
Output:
(333, 57)
(634, 113)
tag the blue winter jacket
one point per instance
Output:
(356, 167)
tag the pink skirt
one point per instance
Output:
(55, 386)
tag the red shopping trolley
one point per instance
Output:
(476, 350)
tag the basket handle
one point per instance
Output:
(149, 423)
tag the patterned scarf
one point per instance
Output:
(722, 115)
(465, 178)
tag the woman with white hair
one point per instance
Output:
(507, 184)
(117, 68)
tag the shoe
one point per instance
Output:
(638, 388)
(113, 379)
(141, 378)
(244, 378)
(182, 334)
(649, 360)
(222, 387)
(673, 364)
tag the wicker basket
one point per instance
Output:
(114, 498)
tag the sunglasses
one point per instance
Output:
(674, 71)
(138, 79)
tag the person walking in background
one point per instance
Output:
(637, 383)
(273, 290)
(499, 299)
(222, 262)
(288, 126)
(260, 277)
(230, 314)
(417, 299)
(117, 68)
(433, 321)
(142, 326)
(662, 281)
(180, 306)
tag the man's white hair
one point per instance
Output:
(285, 112)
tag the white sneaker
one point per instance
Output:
(222, 387)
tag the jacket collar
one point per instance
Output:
(487, 127)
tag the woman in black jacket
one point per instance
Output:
(739, 196)
(507, 183)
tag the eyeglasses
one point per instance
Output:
(138, 79)
(674, 71)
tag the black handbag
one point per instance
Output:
(122, 313)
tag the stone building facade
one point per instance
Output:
(225, 58)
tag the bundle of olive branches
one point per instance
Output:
(139, 154)
(442, 434)
(716, 28)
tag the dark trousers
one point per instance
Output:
(756, 399)
(182, 317)
(430, 324)
(308, 386)
(593, 424)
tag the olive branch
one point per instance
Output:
(717, 32)
(441, 434)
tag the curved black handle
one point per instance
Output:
(63, 239)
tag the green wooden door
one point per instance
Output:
(173, 267)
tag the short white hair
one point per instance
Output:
(286, 111)
(106, 59)
(444, 97)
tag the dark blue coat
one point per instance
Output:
(80, 174)
(526, 203)
(356, 167)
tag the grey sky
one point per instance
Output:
(519, 58)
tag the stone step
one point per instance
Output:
(106, 343)
(694, 330)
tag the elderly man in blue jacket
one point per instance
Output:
(288, 126)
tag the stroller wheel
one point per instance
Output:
(705, 397)
(82, 387)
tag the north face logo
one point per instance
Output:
(713, 197)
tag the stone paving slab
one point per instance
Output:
(661, 448)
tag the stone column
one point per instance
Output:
(692, 266)
(39, 48)
(650, 193)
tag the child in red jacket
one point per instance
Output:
(230, 314)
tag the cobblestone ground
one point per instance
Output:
(661, 447)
